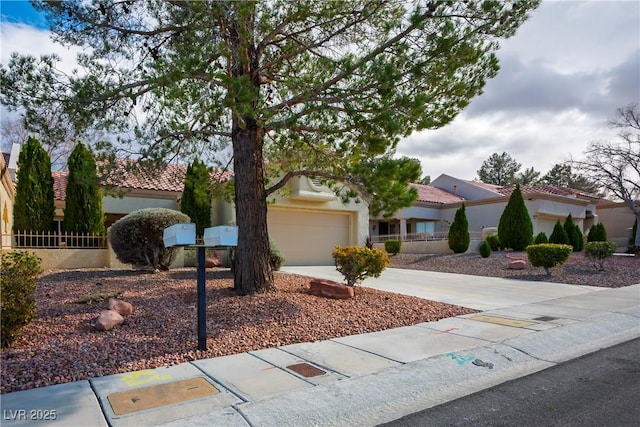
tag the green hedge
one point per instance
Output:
(392, 246)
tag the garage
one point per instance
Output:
(308, 237)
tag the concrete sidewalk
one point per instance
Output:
(364, 379)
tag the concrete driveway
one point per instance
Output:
(477, 292)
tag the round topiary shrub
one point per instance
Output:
(548, 255)
(392, 246)
(137, 237)
(357, 263)
(484, 249)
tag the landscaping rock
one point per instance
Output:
(123, 308)
(108, 320)
(330, 289)
(518, 264)
(211, 262)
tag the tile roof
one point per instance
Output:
(549, 189)
(125, 175)
(427, 193)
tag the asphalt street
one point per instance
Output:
(598, 389)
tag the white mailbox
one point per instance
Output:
(224, 235)
(179, 235)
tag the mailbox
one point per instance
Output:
(179, 235)
(224, 235)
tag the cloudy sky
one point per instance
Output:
(563, 75)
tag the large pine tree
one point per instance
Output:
(34, 208)
(459, 232)
(83, 211)
(515, 229)
(196, 197)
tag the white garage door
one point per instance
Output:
(308, 238)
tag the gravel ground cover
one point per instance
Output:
(61, 345)
(620, 270)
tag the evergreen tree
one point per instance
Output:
(196, 197)
(570, 228)
(33, 208)
(602, 233)
(593, 234)
(83, 211)
(578, 238)
(515, 229)
(559, 235)
(459, 232)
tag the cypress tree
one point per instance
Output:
(83, 211)
(196, 197)
(579, 238)
(593, 234)
(602, 233)
(459, 238)
(570, 228)
(33, 208)
(559, 235)
(515, 229)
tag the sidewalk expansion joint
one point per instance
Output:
(221, 383)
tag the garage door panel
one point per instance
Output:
(308, 238)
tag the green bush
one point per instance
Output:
(597, 233)
(559, 235)
(541, 238)
(137, 238)
(515, 228)
(357, 263)
(392, 246)
(18, 282)
(276, 257)
(548, 255)
(578, 238)
(494, 242)
(459, 238)
(598, 252)
(485, 249)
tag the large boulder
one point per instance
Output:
(330, 289)
(108, 320)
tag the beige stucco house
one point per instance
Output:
(434, 211)
(306, 219)
(7, 193)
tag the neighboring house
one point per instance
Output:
(7, 194)
(306, 225)
(437, 203)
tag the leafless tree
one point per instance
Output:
(615, 164)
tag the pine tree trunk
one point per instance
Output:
(252, 271)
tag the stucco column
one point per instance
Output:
(403, 229)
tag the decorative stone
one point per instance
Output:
(518, 264)
(330, 289)
(108, 320)
(213, 261)
(123, 308)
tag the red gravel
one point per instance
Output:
(61, 345)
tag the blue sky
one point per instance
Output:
(21, 11)
(563, 75)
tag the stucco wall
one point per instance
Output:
(6, 205)
(617, 219)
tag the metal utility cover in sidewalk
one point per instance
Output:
(126, 402)
(503, 321)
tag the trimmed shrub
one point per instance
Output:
(276, 257)
(559, 235)
(593, 234)
(548, 255)
(540, 238)
(570, 228)
(392, 246)
(459, 232)
(18, 282)
(357, 263)
(196, 197)
(137, 237)
(602, 232)
(598, 252)
(494, 242)
(484, 249)
(515, 229)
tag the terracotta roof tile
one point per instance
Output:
(427, 193)
(124, 175)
